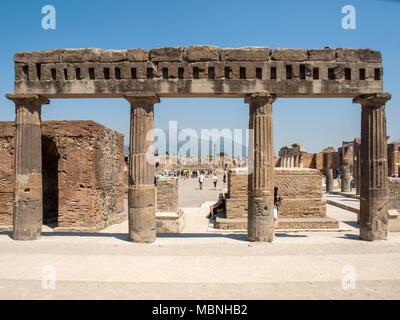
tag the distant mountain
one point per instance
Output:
(241, 152)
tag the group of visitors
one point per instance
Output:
(202, 177)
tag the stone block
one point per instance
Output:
(368, 55)
(321, 55)
(245, 54)
(166, 54)
(81, 55)
(45, 56)
(113, 55)
(201, 53)
(170, 222)
(283, 54)
(347, 55)
(167, 195)
(137, 54)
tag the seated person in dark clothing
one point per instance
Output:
(218, 207)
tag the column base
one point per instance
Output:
(28, 220)
(374, 218)
(260, 221)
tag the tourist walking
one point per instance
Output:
(215, 180)
(201, 180)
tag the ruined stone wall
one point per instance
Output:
(393, 158)
(167, 194)
(308, 160)
(90, 172)
(199, 70)
(301, 190)
(7, 132)
(394, 193)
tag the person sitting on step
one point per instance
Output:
(218, 207)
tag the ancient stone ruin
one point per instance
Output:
(169, 218)
(303, 206)
(82, 175)
(142, 77)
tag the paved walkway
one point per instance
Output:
(202, 264)
(348, 202)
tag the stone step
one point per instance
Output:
(284, 223)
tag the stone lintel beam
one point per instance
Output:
(373, 163)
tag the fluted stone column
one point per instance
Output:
(356, 166)
(296, 161)
(142, 193)
(300, 161)
(28, 194)
(329, 179)
(374, 168)
(261, 179)
(345, 175)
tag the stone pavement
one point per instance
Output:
(344, 201)
(202, 264)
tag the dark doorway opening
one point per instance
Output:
(50, 158)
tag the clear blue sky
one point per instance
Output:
(121, 24)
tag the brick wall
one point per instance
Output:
(301, 190)
(89, 173)
(6, 172)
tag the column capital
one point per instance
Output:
(373, 100)
(264, 96)
(147, 97)
(35, 100)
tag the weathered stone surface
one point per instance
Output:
(394, 193)
(167, 194)
(45, 56)
(166, 54)
(113, 55)
(89, 175)
(137, 54)
(81, 55)
(301, 190)
(261, 188)
(283, 54)
(245, 54)
(347, 55)
(321, 54)
(201, 53)
(368, 55)
(142, 212)
(374, 182)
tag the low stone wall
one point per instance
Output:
(167, 194)
(87, 163)
(300, 189)
(394, 193)
(169, 218)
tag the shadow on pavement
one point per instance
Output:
(350, 236)
(240, 237)
(120, 236)
(285, 235)
(352, 223)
